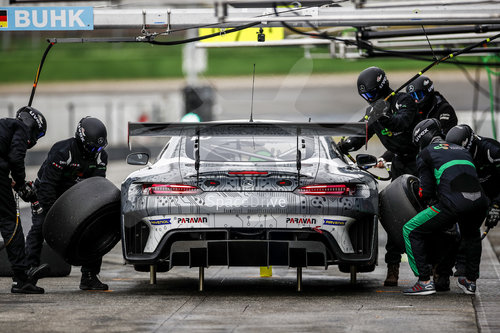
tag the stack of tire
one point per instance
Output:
(398, 203)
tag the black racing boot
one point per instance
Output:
(392, 275)
(90, 281)
(20, 286)
(37, 272)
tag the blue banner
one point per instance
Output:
(46, 18)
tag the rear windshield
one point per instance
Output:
(250, 148)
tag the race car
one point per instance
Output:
(245, 194)
(249, 194)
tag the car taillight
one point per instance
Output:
(169, 189)
(328, 189)
(248, 172)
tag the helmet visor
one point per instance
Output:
(369, 95)
(93, 147)
(418, 96)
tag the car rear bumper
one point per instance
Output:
(204, 247)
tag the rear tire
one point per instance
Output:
(84, 222)
(398, 203)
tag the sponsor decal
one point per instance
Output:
(411, 88)
(160, 221)
(385, 131)
(300, 220)
(421, 134)
(192, 220)
(362, 88)
(333, 222)
(379, 77)
(46, 18)
(442, 146)
(253, 202)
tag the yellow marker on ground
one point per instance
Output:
(266, 271)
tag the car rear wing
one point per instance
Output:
(357, 129)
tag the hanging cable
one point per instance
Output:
(39, 70)
(429, 42)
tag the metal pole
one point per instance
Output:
(152, 274)
(201, 278)
(353, 274)
(299, 279)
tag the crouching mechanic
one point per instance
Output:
(16, 136)
(68, 162)
(393, 122)
(450, 185)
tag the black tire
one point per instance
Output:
(84, 222)
(398, 203)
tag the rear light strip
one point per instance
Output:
(169, 189)
(248, 172)
(328, 189)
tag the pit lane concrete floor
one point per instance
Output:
(239, 300)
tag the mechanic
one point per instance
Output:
(68, 162)
(486, 156)
(449, 184)
(431, 104)
(393, 122)
(16, 136)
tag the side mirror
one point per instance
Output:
(366, 160)
(138, 159)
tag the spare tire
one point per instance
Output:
(398, 203)
(84, 222)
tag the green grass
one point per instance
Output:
(97, 61)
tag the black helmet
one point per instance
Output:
(373, 84)
(425, 131)
(34, 119)
(420, 89)
(461, 135)
(91, 134)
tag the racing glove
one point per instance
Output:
(378, 111)
(26, 192)
(493, 216)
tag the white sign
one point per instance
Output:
(46, 18)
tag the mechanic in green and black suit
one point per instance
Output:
(393, 122)
(68, 162)
(450, 185)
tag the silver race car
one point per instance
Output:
(249, 194)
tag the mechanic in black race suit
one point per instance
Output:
(16, 136)
(431, 103)
(393, 122)
(486, 156)
(449, 184)
(68, 162)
